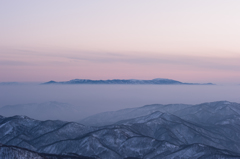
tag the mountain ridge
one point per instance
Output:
(154, 131)
(157, 81)
(7, 152)
(111, 117)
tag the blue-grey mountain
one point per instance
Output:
(208, 130)
(158, 81)
(13, 152)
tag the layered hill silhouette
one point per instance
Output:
(206, 133)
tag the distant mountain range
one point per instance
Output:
(205, 113)
(48, 110)
(158, 81)
(203, 131)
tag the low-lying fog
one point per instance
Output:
(91, 99)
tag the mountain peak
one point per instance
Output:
(21, 117)
(50, 82)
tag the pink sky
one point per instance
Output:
(33, 66)
(189, 41)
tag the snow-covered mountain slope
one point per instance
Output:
(42, 111)
(21, 130)
(13, 152)
(160, 81)
(185, 152)
(171, 128)
(112, 117)
(198, 151)
(155, 135)
(201, 113)
(210, 113)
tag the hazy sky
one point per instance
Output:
(186, 40)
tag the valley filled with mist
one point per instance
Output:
(75, 102)
(119, 121)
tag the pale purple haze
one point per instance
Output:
(91, 99)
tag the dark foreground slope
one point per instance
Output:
(13, 152)
(191, 151)
(155, 135)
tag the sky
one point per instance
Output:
(189, 41)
